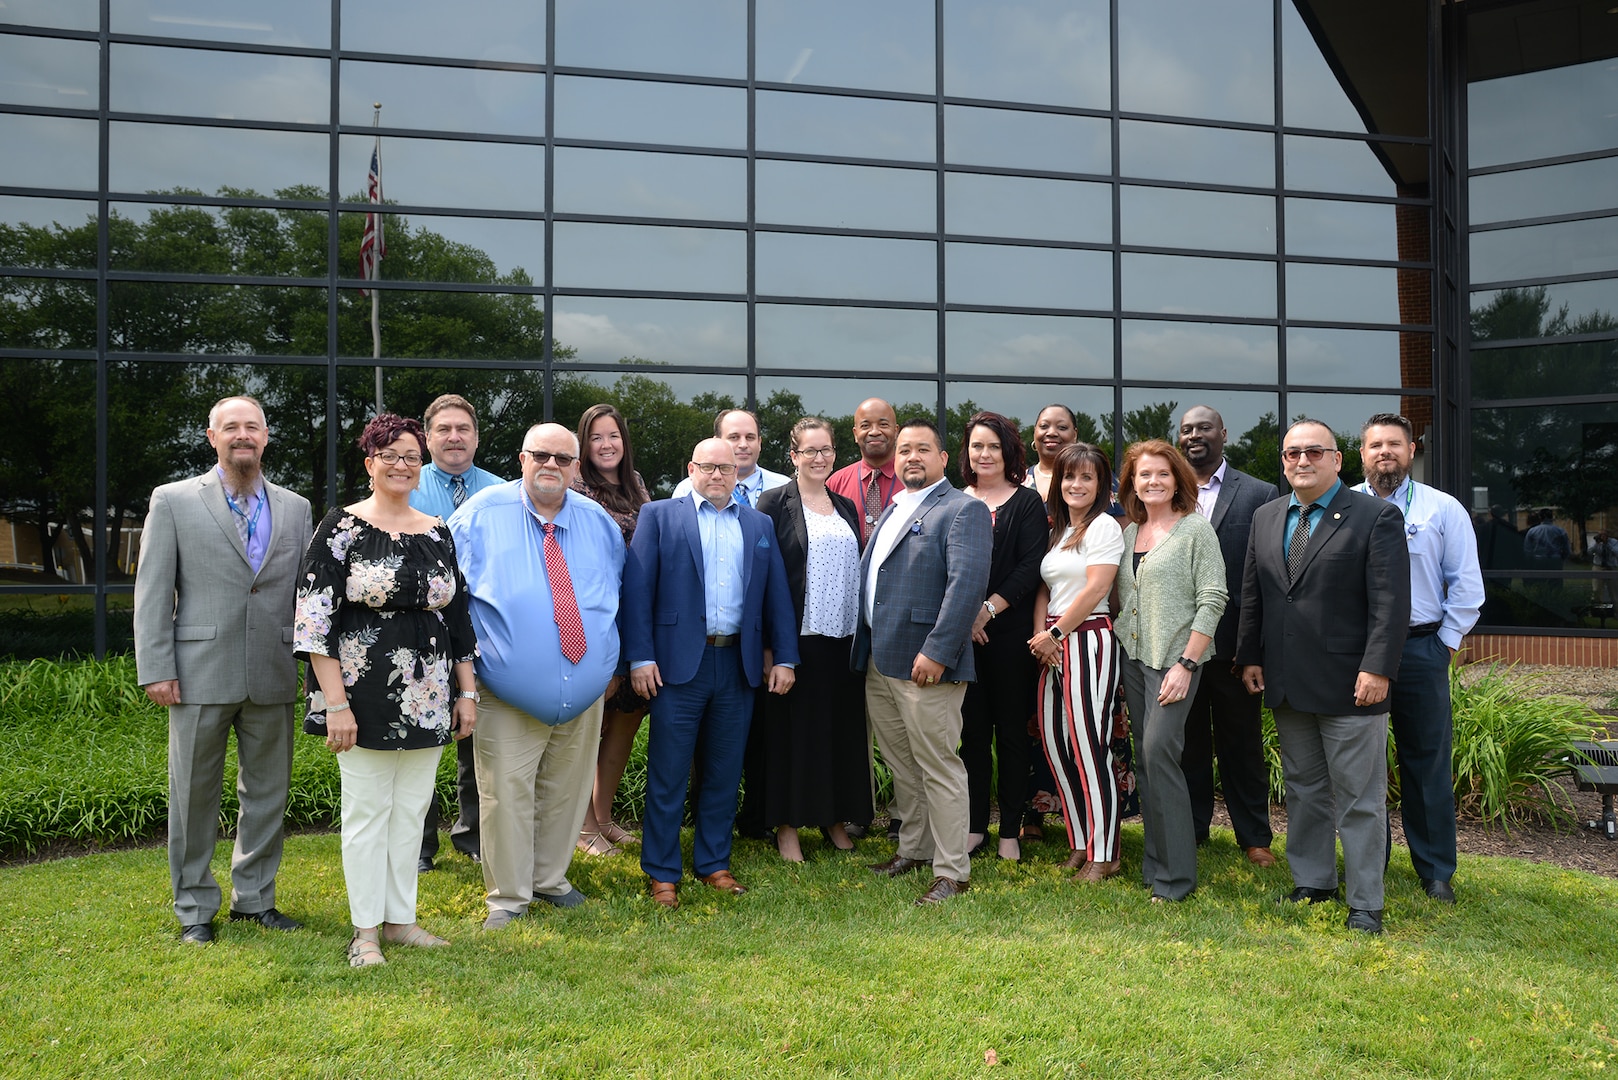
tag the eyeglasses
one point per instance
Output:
(389, 457)
(706, 468)
(544, 457)
(1314, 453)
(816, 451)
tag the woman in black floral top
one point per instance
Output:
(382, 619)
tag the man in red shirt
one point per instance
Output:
(870, 481)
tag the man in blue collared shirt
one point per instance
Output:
(1446, 595)
(447, 482)
(540, 712)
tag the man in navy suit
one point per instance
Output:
(705, 591)
(922, 580)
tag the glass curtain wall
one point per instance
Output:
(1127, 207)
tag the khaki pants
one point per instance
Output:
(918, 729)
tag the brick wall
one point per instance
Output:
(1528, 649)
(1415, 306)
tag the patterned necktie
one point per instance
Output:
(873, 500)
(562, 599)
(1300, 542)
(457, 489)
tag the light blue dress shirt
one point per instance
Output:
(435, 490)
(722, 569)
(1294, 508)
(1446, 585)
(500, 542)
(254, 510)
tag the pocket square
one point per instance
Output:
(764, 542)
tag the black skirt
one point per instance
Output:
(817, 758)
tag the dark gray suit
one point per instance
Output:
(1347, 611)
(202, 616)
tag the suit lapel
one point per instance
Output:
(1331, 519)
(751, 536)
(213, 497)
(693, 537)
(928, 505)
(1227, 495)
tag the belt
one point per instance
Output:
(723, 641)
(1426, 629)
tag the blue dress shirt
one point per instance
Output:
(1446, 586)
(1294, 508)
(721, 533)
(435, 490)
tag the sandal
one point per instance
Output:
(615, 833)
(593, 843)
(414, 935)
(365, 950)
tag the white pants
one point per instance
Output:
(385, 797)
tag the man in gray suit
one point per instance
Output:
(219, 563)
(1325, 608)
(922, 580)
(1224, 718)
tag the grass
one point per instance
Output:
(821, 970)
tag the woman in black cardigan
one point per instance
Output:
(816, 752)
(999, 704)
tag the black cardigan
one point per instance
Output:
(784, 506)
(1021, 536)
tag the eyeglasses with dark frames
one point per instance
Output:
(544, 457)
(392, 457)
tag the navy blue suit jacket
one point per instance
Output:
(664, 605)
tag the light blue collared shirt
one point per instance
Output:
(500, 543)
(721, 535)
(1446, 586)
(1294, 508)
(254, 509)
(435, 490)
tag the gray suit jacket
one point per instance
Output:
(929, 588)
(201, 615)
(1240, 496)
(1347, 611)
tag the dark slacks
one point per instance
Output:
(708, 716)
(463, 834)
(996, 711)
(1226, 720)
(1423, 739)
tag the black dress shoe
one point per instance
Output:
(1364, 920)
(896, 866)
(269, 918)
(1438, 890)
(197, 933)
(893, 828)
(424, 865)
(1303, 894)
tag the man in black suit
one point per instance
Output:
(1226, 719)
(1325, 610)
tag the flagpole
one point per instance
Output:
(376, 321)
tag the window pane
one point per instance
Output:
(696, 37)
(443, 172)
(1201, 155)
(49, 71)
(218, 240)
(887, 46)
(846, 126)
(984, 343)
(1210, 220)
(610, 330)
(1252, 441)
(51, 234)
(224, 85)
(1566, 247)
(649, 257)
(1215, 58)
(1027, 140)
(1017, 401)
(509, 30)
(630, 184)
(47, 313)
(1353, 357)
(1552, 189)
(1562, 110)
(46, 486)
(1345, 413)
(851, 267)
(1589, 367)
(66, 14)
(162, 157)
(1342, 165)
(444, 99)
(458, 249)
(977, 204)
(244, 320)
(1216, 352)
(1537, 312)
(846, 196)
(1347, 230)
(1037, 277)
(1345, 294)
(836, 399)
(289, 22)
(1388, 79)
(1174, 285)
(855, 339)
(1045, 52)
(48, 151)
(443, 325)
(621, 110)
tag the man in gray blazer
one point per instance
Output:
(1224, 718)
(1325, 609)
(219, 564)
(922, 579)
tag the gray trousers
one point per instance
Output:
(198, 737)
(1336, 770)
(1169, 867)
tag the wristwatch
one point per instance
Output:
(1187, 663)
(471, 695)
(1056, 633)
(990, 609)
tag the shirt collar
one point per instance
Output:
(563, 513)
(1218, 477)
(886, 471)
(257, 489)
(1324, 500)
(699, 500)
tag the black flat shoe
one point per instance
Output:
(1303, 894)
(424, 865)
(269, 918)
(1363, 920)
(197, 934)
(1438, 890)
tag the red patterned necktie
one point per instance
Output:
(873, 502)
(562, 599)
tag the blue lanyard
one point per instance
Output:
(252, 522)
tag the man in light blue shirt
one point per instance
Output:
(446, 483)
(1446, 595)
(544, 567)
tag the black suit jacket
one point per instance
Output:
(784, 506)
(1347, 611)
(1240, 496)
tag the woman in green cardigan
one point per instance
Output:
(1171, 593)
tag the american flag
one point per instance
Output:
(372, 246)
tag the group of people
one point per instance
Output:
(774, 626)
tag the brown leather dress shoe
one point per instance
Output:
(1097, 872)
(896, 866)
(1261, 857)
(665, 893)
(724, 882)
(943, 888)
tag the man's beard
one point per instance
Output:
(1388, 482)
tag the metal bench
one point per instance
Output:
(1598, 772)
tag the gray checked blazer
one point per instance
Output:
(201, 615)
(929, 588)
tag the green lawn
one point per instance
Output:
(821, 970)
